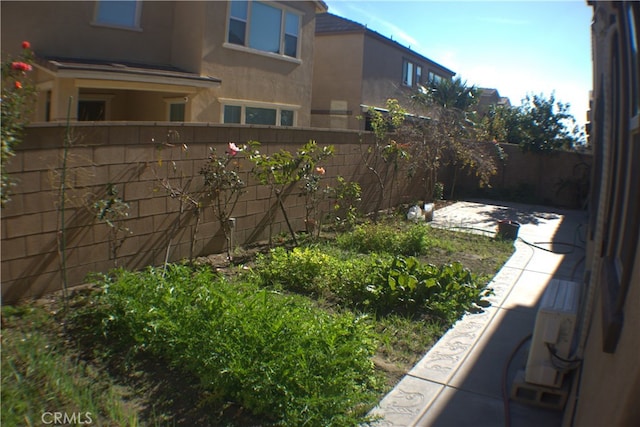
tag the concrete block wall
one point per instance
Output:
(558, 178)
(135, 158)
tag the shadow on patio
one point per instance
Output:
(459, 382)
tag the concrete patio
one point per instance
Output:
(459, 382)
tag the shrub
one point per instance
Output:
(276, 355)
(376, 283)
(368, 238)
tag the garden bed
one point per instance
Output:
(315, 334)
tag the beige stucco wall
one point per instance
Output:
(610, 383)
(358, 68)
(382, 77)
(65, 29)
(252, 76)
(337, 80)
(188, 35)
(608, 388)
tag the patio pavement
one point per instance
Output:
(459, 381)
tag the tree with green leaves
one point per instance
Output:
(386, 151)
(283, 169)
(447, 134)
(540, 125)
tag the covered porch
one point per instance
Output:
(91, 90)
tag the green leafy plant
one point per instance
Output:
(377, 283)
(224, 186)
(278, 356)
(379, 237)
(18, 97)
(282, 169)
(438, 191)
(386, 151)
(346, 196)
(310, 186)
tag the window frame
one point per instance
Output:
(183, 100)
(408, 73)
(432, 76)
(246, 47)
(279, 108)
(621, 227)
(136, 19)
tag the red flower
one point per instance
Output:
(18, 85)
(26, 45)
(21, 66)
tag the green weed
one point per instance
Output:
(278, 356)
(39, 376)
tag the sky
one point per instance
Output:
(518, 47)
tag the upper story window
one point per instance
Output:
(118, 13)
(264, 27)
(411, 74)
(433, 77)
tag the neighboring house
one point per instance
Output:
(246, 62)
(356, 68)
(490, 97)
(607, 388)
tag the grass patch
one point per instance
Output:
(40, 374)
(310, 336)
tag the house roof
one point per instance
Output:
(321, 6)
(121, 70)
(487, 94)
(328, 23)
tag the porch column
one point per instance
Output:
(62, 90)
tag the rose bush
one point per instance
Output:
(18, 96)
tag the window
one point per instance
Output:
(119, 13)
(621, 159)
(91, 110)
(286, 118)
(433, 77)
(238, 22)
(291, 30)
(177, 112)
(411, 74)
(267, 114)
(407, 73)
(260, 116)
(264, 27)
(232, 114)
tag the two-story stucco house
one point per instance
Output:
(246, 62)
(356, 68)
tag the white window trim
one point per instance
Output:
(135, 27)
(243, 48)
(176, 100)
(262, 53)
(414, 73)
(257, 104)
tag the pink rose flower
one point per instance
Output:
(233, 149)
